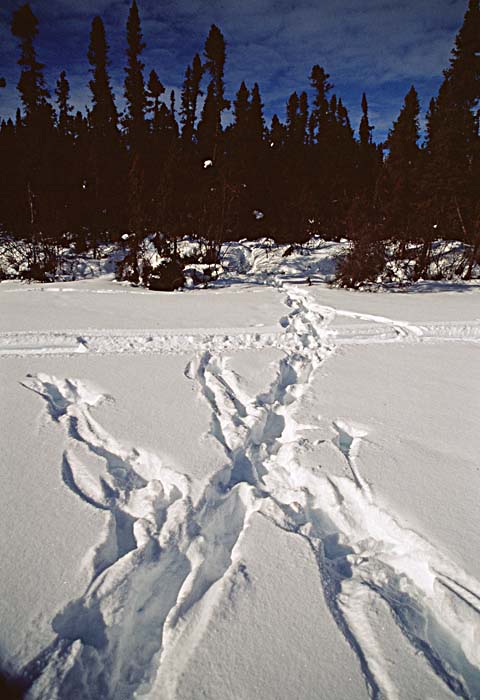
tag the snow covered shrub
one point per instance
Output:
(39, 272)
(211, 256)
(28, 260)
(127, 269)
(364, 262)
(167, 277)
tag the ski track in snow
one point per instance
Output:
(166, 561)
(378, 329)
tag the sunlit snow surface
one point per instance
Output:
(264, 489)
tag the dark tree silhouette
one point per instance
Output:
(451, 180)
(105, 175)
(155, 91)
(134, 84)
(31, 85)
(398, 183)
(103, 115)
(190, 94)
(62, 92)
(215, 55)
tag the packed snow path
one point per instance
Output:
(169, 558)
(115, 342)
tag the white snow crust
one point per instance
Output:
(263, 489)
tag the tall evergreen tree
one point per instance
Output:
(398, 183)
(36, 181)
(173, 114)
(292, 118)
(134, 84)
(464, 70)
(297, 118)
(256, 118)
(62, 92)
(430, 122)
(241, 110)
(209, 126)
(402, 141)
(277, 132)
(320, 115)
(189, 98)
(105, 173)
(451, 190)
(215, 55)
(369, 155)
(103, 115)
(343, 119)
(365, 130)
(155, 91)
(303, 117)
(32, 88)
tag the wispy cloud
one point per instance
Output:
(378, 46)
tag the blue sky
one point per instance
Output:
(377, 46)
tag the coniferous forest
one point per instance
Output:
(84, 179)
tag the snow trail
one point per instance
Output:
(167, 562)
(377, 329)
(358, 545)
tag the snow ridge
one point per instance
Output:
(166, 561)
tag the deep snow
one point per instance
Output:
(262, 489)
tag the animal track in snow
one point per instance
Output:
(363, 552)
(167, 561)
(161, 557)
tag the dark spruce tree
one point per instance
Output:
(36, 183)
(103, 114)
(215, 55)
(450, 186)
(31, 85)
(189, 98)
(329, 159)
(135, 96)
(362, 219)
(398, 183)
(320, 116)
(155, 90)
(256, 118)
(369, 156)
(62, 93)
(277, 133)
(68, 160)
(241, 109)
(292, 117)
(246, 162)
(303, 117)
(209, 126)
(104, 182)
(365, 130)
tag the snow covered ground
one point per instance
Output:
(263, 489)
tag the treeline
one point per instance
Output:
(171, 169)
